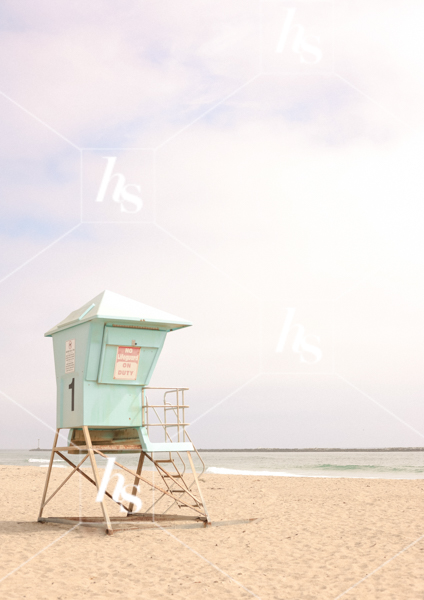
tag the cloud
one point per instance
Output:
(147, 66)
(296, 186)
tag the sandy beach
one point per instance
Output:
(318, 538)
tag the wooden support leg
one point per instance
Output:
(198, 486)
(136, 480)
(76, 468)
(87, 438)
(49, 470)
(89, 478)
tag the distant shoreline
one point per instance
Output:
(311, 450)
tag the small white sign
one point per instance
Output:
(126, 363)
(70, 356)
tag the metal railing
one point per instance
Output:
(177, 409)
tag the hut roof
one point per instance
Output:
(114, 307)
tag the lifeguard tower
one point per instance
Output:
(105, 353)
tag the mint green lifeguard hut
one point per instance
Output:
(105, 353)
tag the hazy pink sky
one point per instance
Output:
(274, 151)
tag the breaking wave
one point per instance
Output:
(44, 460)
(224, 471)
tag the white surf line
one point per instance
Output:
(380, 405)
(380, 567)
(39, 552)
(208, 561)
(39, 253)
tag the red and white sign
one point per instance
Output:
(126, 363)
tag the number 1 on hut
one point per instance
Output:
(105, 354)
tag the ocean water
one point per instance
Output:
(380, 465)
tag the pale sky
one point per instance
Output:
(268, 187)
